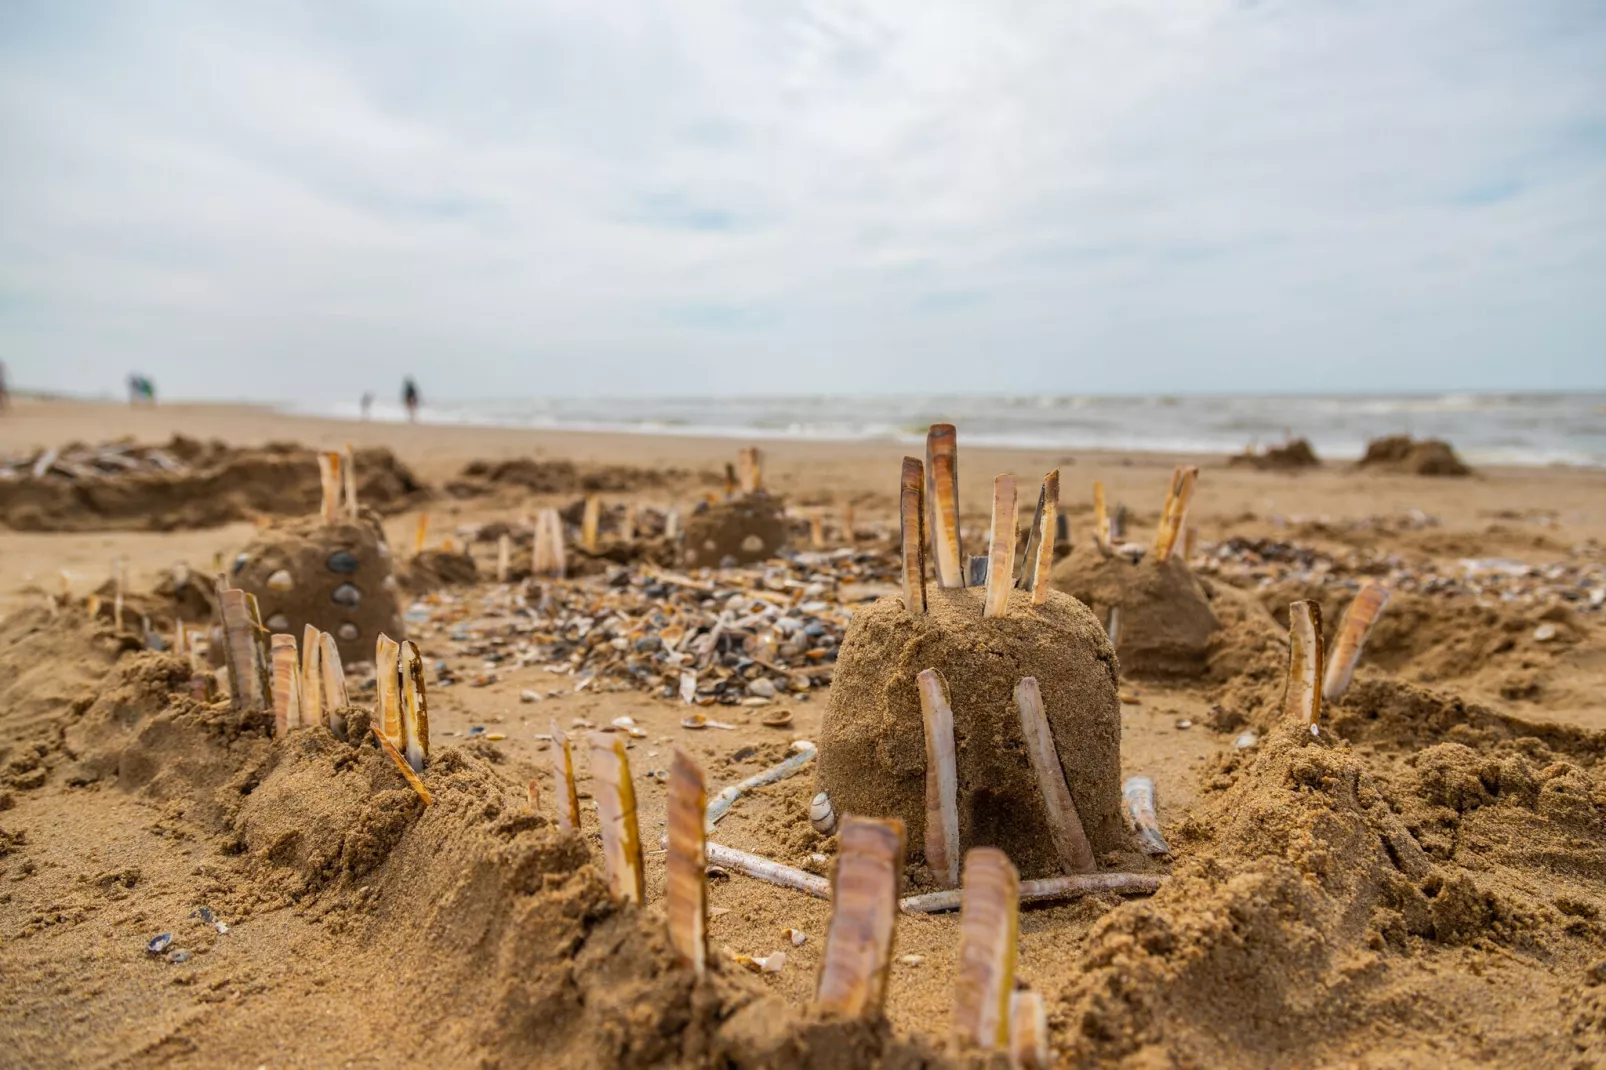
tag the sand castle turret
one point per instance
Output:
(748, 526)
(1012, 738)
(332, 571)
(1153, 607)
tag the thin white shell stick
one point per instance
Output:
(504, 556)
(420, 534)
(1137, 800)
(1067, 887)
(988, 931)
(387, 690)
(286, 685)
(686, 866)
(864, 914)
(1167, 510)
(805, 752)
(312, 703)
(616, 812)
(942, 498)
(335, 696)
(1362, 613)
(240, 650)
(565, 795)
(1302, 697)
(1065, 824)
(589, 522)
(912, 520)
(942, 780)
(560, 566)
(776, 873)
(1177, 512)
(1001, 553)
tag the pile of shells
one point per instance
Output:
(1579, 581)
(735, 636)
(79, 462)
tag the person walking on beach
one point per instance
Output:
(367, 403)
(410, 398)
(5, 397)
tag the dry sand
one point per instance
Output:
(1423, 887)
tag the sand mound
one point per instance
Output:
(1424, 457)
(1438, 906)
(872, 743)
(738, 532)
(480, 478)
(1166, 622)
(1290, 456)
(431, 570)
(336, 577)
(209, 485)
(469, 932)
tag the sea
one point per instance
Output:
(1507, 429)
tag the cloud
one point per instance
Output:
(303, 201)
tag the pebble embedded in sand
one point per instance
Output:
(349, 632)
(281, 580)
(341, 561)
(346, 595)
(277, 623)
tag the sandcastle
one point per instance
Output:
(749, 525)
(332, 571)
(1006, 695)
(1154, 609)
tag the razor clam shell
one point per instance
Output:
(1101, 519)
(1028, 1032)
(329, 483)
(567, 796)
(387, 684)
(414, 705)
(686, 876)
(1001, 552)
(988, 934)
(286, 685)
(942, 780)
(312, 701)
(1049, 888)
(335, 695)
(1138, 802)
(864, 915)
(1302, 697)
(942, 492)
(1065, 824)
(616, 811)
(1363, 611)
(912, 518)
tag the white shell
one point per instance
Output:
(281, 580)
(822, 815)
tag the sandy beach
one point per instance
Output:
(1425, 888)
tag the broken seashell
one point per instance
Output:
(695, 720)
(776, 719)
(414, 707)
(568, 798)
(1028, 1032)
(1137, 799)
(406, 770)
(796, 936)
(688, 685)
(281, 580)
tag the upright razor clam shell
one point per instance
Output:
(1028, 1032)
(1101, 519)
(988, 935)
(240, 649)
(589, 523)
(1178, 512)
(616, 811)
(420, 534)
(414, 706)
(864, 915)
(566, 795)
(329, 482)
(348, 475)
(912, 520)
(335, 696)
(1362, 613)
(942, 780)
(1038, 560)
(1302, 697)
(504, 556)
(286, 685)
(312, 701)
(942, 512)
(686, 866)
(387, 686)
(1001, 551)
(1070, 839)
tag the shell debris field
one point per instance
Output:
(609, 818)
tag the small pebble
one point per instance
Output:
(529, 696)
(1246, 739)
(1544, 633)
(178, 956)
(1184, 723)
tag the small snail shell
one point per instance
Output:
(822, 815)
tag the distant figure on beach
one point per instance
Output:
(141, 389)
(410, 397)
(5, 397)
(367, 403)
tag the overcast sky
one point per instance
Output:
(288, 200)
